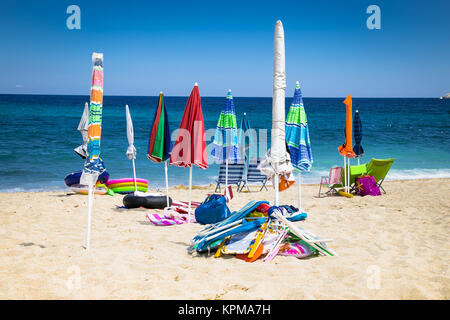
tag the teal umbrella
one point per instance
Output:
(225, 144)
(297, 137)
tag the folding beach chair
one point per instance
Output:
(333, 181)
(355, 172)
(235, 172)
(379, 168)
(212, 235)
(254, 175)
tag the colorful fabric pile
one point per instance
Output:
(260, 231)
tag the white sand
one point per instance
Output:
(391, 247)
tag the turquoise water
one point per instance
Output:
(39, 133)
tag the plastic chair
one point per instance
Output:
(333, 181)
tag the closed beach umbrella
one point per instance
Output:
(277, 162)
(346, 150)
(93, 166)
(83, 129)
(190, 146)
(247, 149)
(297, 137)
(159, 144)
(131, 150)
(357, 133)
(225, 145)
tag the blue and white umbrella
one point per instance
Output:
(248, 149)
(225, 145)
(297, 137)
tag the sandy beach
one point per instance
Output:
(390, 247)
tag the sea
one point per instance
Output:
(39, 133)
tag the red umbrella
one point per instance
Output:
(190, 145)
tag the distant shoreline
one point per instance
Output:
(211, 186)
(205, 96)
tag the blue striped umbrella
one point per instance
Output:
(225, 144)
(297, 137)
(247, 149)
(357, 134)
(297, 134)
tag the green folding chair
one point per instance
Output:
(379, 168)
(355, 172)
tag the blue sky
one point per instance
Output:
(151, 46)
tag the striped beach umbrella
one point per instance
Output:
(93, 166)
(190, 146)
(159, 143)
(297, 137)
(357, 134)
(247, 150)
(225, 145)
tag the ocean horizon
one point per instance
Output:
(39, 135)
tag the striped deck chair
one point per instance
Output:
(333, 181)
(254, 175)
(235, 171)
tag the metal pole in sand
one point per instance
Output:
(167, 182)
(190, 193)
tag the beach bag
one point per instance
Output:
(366, 185)
(212, 210)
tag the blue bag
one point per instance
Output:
(212, 210)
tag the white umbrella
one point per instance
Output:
(131, 150)
(277, 161)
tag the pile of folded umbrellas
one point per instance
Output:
(260, 231)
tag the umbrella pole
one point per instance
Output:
(190, 193)
(348, 176)
(226, 178)
(134, 175)
(345, 173)
(275, 181)
(90, 202)
(358, 161)
(167, 182)
(299, 192)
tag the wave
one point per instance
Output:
(406, 174)
(312, 177)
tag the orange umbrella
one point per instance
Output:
(347, 148)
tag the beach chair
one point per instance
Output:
(355, 172)
(212, 235)
(254, 175)
(235, 171)
(333, 181)
(379, 168)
